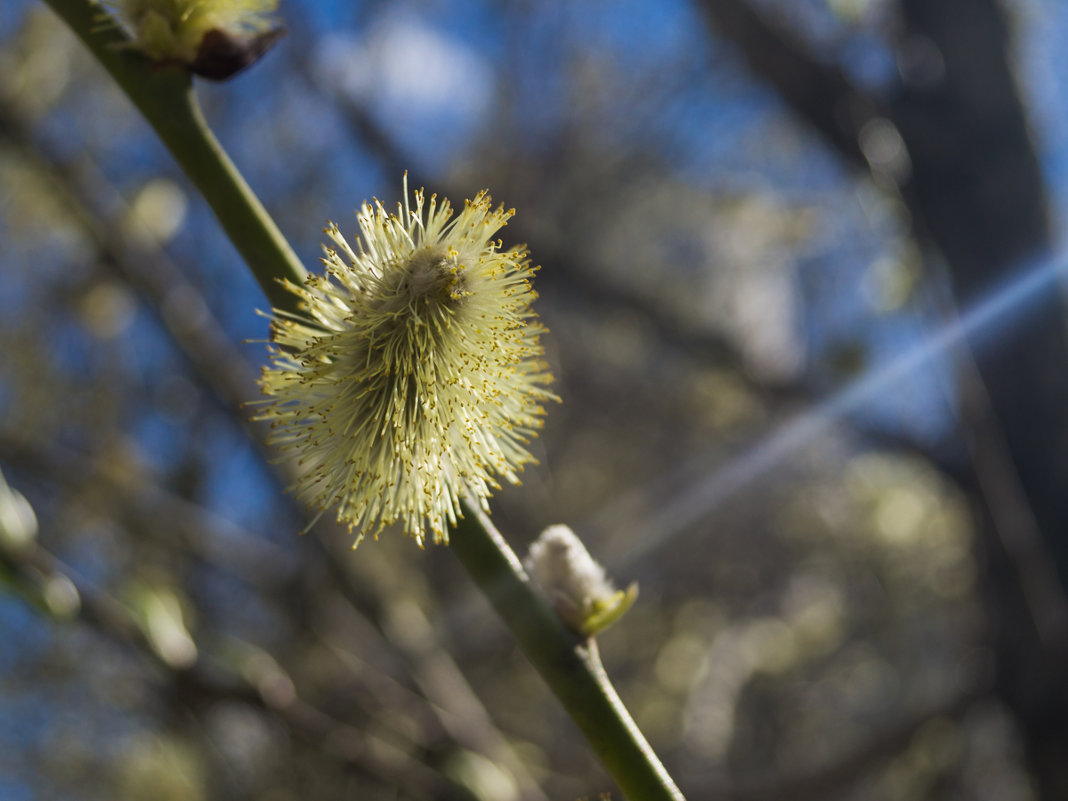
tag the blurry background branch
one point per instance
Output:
(820, 780)
(966, 171)
(254, 680)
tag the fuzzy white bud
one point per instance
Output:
(18, 523)
(576, 585)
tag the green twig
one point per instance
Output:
(571, 667)
(164, 96)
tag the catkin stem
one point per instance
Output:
(572, 668)
(164, 96)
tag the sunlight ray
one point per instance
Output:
(692, 502)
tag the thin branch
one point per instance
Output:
(164, 96)
(440, 680)
(571, 667)
(834, 776)
(30, 566)
(101, 212)
(206, 536)
(819, 92)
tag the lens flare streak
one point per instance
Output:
(693, 503)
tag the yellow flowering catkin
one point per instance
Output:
(412, 374)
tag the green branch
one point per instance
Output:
(164, 96)
(571, 667)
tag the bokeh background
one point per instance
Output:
(748, 214)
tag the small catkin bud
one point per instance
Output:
(18, 523)
(213, 38)
(575, 584)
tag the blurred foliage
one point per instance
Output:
(708, 272)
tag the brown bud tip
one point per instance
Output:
(222, 55)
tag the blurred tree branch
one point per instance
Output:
(255, 683)
(163, 94)
(975, 194)
(175, 300)
(817, 91)
(838, 774)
